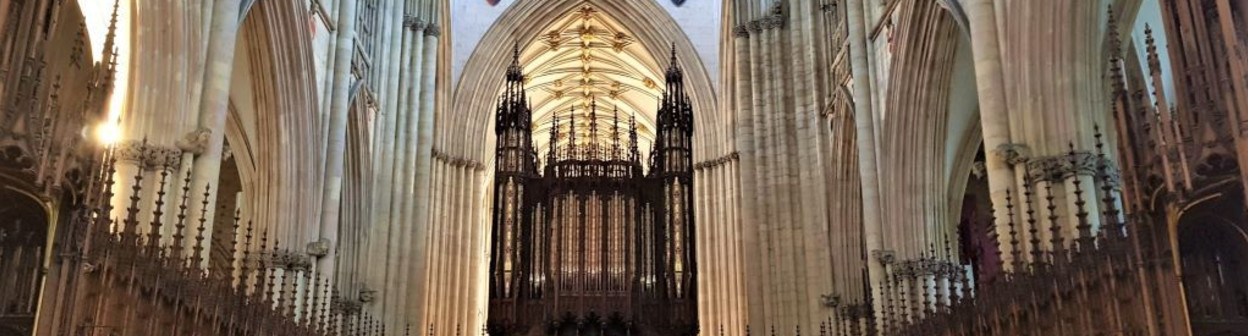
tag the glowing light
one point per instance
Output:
(108, 133)
(98, 14)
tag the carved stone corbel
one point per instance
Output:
(367, 295)
(886, 257)
(195, 142)
(830, 300)
(1012, 153)
(319, 249)
(291, 260)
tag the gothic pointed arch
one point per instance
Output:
(653, 32)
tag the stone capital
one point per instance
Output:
(1056, 168)
(755, 26)
(293, 261)
(319, 248)
(148, 156)
(433, 30)
(414, 23)
(885, 257)
(741, 30)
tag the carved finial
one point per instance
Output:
(673, 61)
(233, 246)
(325, 311)
(1107, 177)
(889, 305)
(1014, 250)
(180, 227)
(515, 53)
(154, 235)
(131, 233)
(262, 266)
(1154, 62)
(572, 151)
(110, 52)
(311, 304)
(242, 266)
(1085, 228)
(1033, 227)
(198, 249)
(615, 132)
(593, 126)
(633, 147)
(1115, 42)
(552, 154)
(1055, 228)
(271, 289)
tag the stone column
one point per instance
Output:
(759, 98)
(864, 120)
(1054, 97)
(423, 152)
(402, 250)
(383, 165)
(340, 104)
(213, 107)
(994, 118)
(748, 175)
(808, 175)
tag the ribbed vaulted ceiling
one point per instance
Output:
(586, 58)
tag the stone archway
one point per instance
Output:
(463, 138)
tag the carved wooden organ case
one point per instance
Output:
(591, 241)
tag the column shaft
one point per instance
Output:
(213, 108)
(864, 120)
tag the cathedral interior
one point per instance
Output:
(623, 167)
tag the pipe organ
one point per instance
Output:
(586, 238)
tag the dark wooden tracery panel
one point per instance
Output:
(593, 242)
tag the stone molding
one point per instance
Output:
(741, 30)
(291, 260)
(885, 257)
(457, 161)
(433, 30)
(926, 267)
(413, 23)
(755, 26)
(147, 155)
(708, 164)
(319, 248)
(1058, 168)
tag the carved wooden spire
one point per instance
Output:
(1081, 210)
(1107, 179)
(180, 227)
(154, 235)
(198, 249)
(131, 231)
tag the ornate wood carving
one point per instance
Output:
(595, 242)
